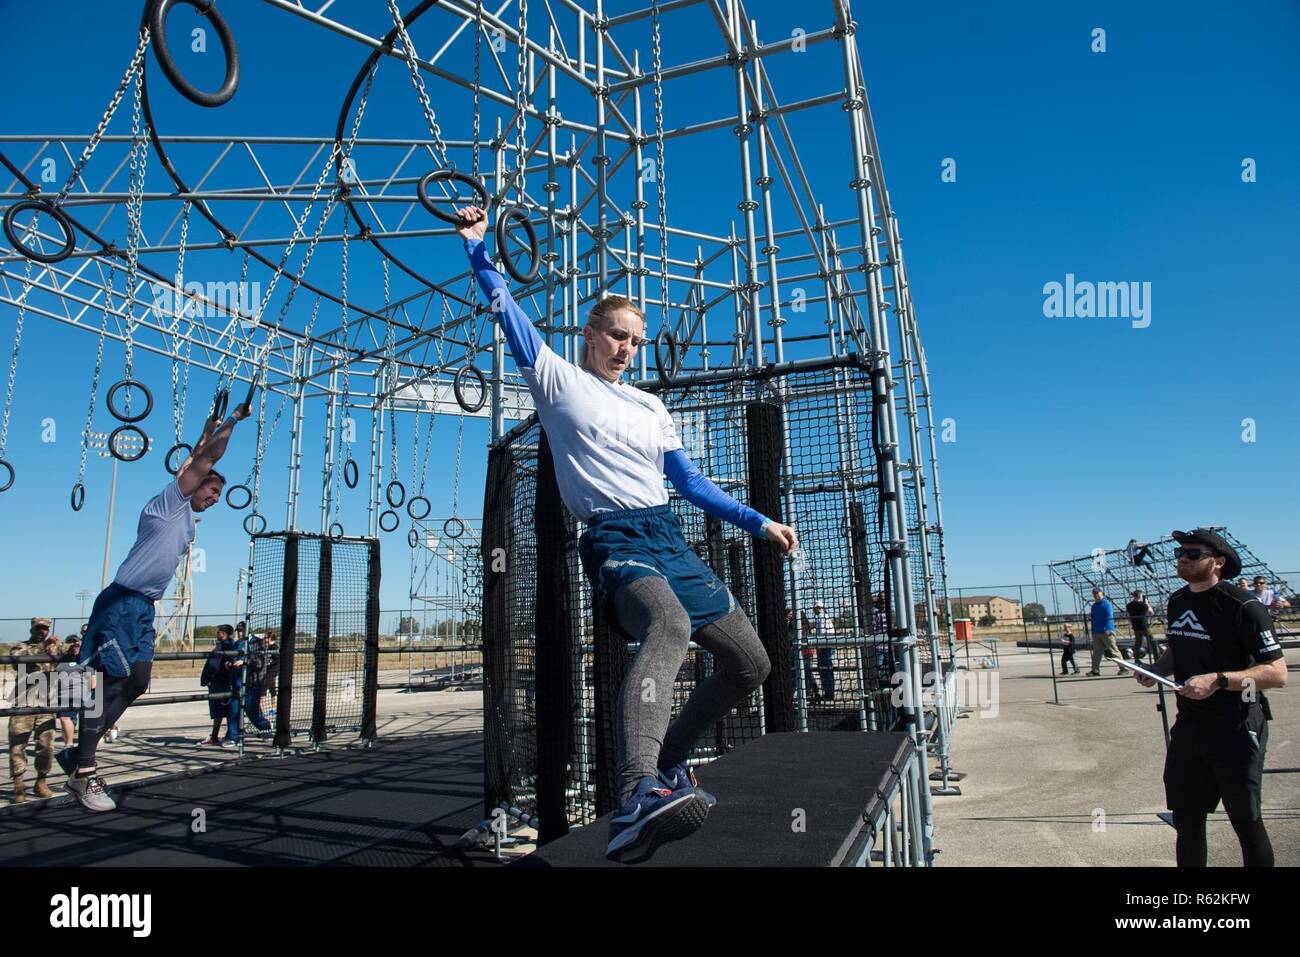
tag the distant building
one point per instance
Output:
(1004, 610)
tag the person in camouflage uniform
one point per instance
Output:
(22, 727)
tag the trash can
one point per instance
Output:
(965, 628)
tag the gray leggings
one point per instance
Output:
(650, 613)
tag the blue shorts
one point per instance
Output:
(121, 631)
(622, 546)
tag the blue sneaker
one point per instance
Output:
(654, 815)
(680, 778)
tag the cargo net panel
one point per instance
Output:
(844, 661)
(338, 649)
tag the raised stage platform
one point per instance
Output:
(828, 799)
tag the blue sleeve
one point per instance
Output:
(522, 338)
(698, 490)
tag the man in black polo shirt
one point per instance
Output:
(1222, 651)
(1139, 616)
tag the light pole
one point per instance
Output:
(83, 595)
(127, 443)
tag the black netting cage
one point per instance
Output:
(797, 446)
(315, 602)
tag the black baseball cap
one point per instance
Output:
(1216, 543)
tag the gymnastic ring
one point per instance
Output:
(351, 474)
(453, 523)
(112, 443)
(239, 488)
(9, 482)
(78, 497)
(336, 535)
(422, 191)
(220, 402)
(128, 384)
(673, 363)
(388, 493)
(158, 37)
(69, 236)
(167, 460)
(458, 387)
(520, 215)
(396, 521)
(248, 520)
(410, 507)
(413, 538)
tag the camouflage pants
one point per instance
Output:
(21, 728)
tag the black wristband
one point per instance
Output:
(1221, 681)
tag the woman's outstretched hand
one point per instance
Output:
(782, 535)
(473, 222)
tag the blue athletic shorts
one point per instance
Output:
(121, 631)
(622, 546)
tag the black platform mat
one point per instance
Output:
(832, 777)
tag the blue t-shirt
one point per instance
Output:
(165, 532)
(1103, 616)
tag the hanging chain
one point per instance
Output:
(478, 77)
(178, 307)
(455, 489)
(659, 157)
(239, 342)
(136, 66)
(99, 363)
(521, 97)
(390, 364)
(134, 214)
(408, 53)
(13, 363)
(347, 365)
(338, 154)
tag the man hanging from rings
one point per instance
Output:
(120, 638)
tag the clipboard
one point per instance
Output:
(1159, 679)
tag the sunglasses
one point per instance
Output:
(1194, 554)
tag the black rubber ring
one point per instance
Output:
(112, 443)
(158, 38)
(248, 400)
(333, 534)
(422, 191)
(520, 215)
(410, 507)
(413, 538)
(69, 236)
(249, 518)
(237, 488)
(458, 387)
(351, 474)
(448, 525)
(167, 460)
(130, 384)
(666, 338)
(388, 493)
(9, 482)
(78, 497)
(220, 402)
(396, 520)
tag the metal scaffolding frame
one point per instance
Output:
(727, 293)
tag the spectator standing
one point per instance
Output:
(1102, 617)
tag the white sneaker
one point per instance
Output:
(91, 791)
(112, 735)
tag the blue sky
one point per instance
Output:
(1071, 433)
